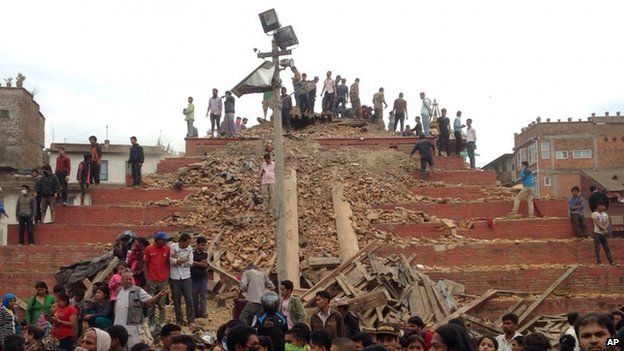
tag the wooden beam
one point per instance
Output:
(474, 303)
(547, 292)
(344, 224)
(491, 328)
(330, 278)
(213, 242)
(223, 272)
(291, 227)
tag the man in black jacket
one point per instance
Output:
(136, 161)
(597, 198)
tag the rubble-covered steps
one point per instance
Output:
(484, 210)
(463, 177)
(22, 267)
(464, 193)
(79, 234)
(535, 279)
(540, 229)
(497, 253)
(172, 164)
(117, 196)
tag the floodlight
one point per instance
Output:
(287, 63)
(285, 37)
(269, 20)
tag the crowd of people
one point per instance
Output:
(50, 189)
(117, 318)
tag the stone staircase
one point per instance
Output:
(81, 233)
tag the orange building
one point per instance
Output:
(559, 151)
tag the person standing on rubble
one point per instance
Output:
(354, 94)
(180, 262)
(229, 127)
(471, 142)
(287, 107)
(267, 175)
(156, 259)
(379, 101)
(425, 113)
(426, 149)
(254, 283)
(328, 93)
(215, 107)
(136, 160)
(576, 207)
(400, 112)
(444, 127)
(526, 175)
(189, 117)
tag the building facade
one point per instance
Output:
(505, 168)
(114, 165)
(558, 152)
(22, 130)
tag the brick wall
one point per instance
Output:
(508, 253)
(22, 133)
(125, 195)
(585, 280)
(115, 214)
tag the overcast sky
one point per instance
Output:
(132, 64)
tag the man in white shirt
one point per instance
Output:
(425, 113)
(471, 142)
(215, 108)
(328, 93)
(572, 317)
(128, 313)
(510, 327)
(254, 283)
(180, 261)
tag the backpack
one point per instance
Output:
(48, 186)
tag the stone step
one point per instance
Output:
(536, 279)
(110, 214)
(542, 228)
(499, 253)
(172, 164)
(472, 177)
(483, 210)
(464, 192)
(75, 234)
(450, 163)
(129, 195)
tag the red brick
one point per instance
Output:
(128, 195)
(507, 253)
(482, 210)
(585, 280)
(482, 178)
(466, 192)
(544, 228)
(60, 234)
(172, 164)
(495, 308)
(108, 214)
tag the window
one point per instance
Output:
(532, 154)
(521, 156)
(561, 154)
(581, 154)
(545, 150)
(104, 170)
(547, 181)
(4, 113)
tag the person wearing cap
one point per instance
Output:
(388, 335)
(254, 283)
(156, 260)
(326, 319)
(180, 262)
(351, 321)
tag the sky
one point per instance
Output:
(130, 65)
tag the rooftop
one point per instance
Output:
(610, 180)
(606, 119)
(106, 148)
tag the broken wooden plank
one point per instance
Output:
(223, 272)
(329, 279)
(347, 239)
(472, 304)
(491, 328)
(547, 292)
(318, 262)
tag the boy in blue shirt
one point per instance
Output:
(526, 193)
(575, 205)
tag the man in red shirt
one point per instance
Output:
(62, 170)
(156, 259)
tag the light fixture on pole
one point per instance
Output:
(285, 37)
(269, 20)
